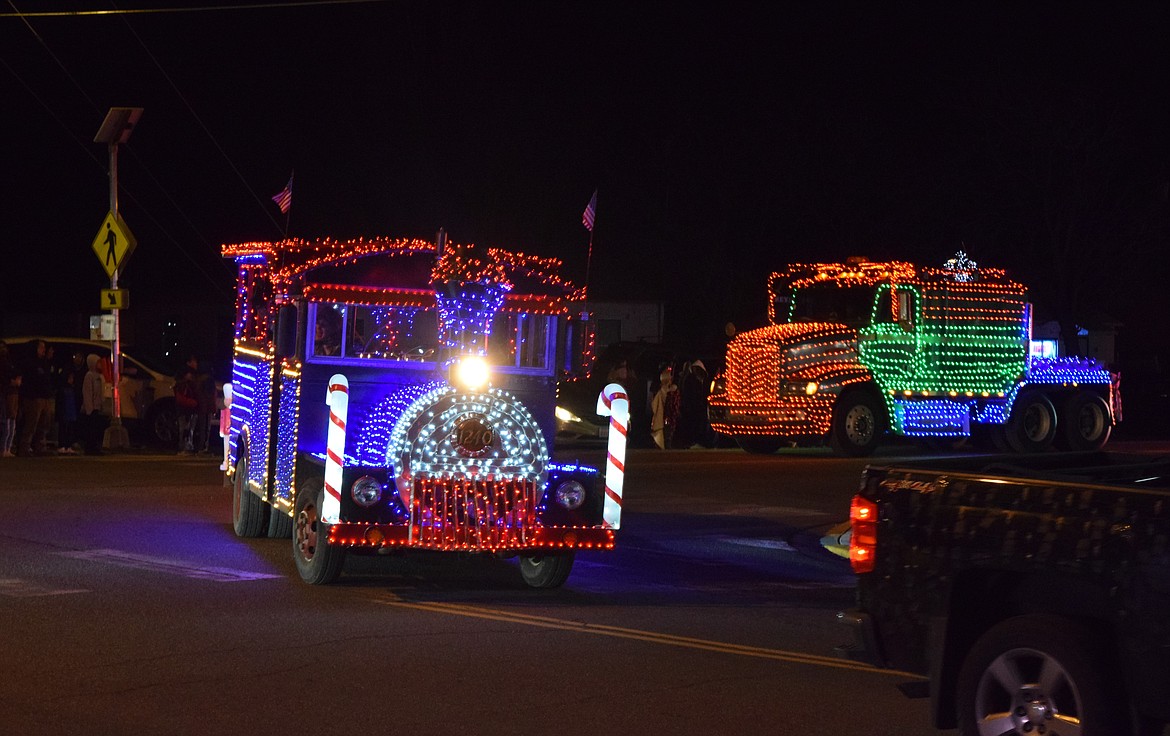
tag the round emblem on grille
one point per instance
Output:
(473, 436)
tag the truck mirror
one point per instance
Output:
(286, 331)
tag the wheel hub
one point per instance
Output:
(859, 425)
(1032, 712)
(1036, 702)
(306, 532)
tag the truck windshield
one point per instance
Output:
(850, 305)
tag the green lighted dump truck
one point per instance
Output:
(857, 350)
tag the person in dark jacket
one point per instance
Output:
(9, 400)
(693, 426)
(36, 400)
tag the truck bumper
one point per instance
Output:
(378, 536)
(797, 416)
(864, 647)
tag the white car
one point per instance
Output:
(148, 395)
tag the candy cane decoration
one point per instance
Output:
(337, 398)
(614, 403)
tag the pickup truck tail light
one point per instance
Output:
(863, 537)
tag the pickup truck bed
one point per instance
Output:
(1033, 591)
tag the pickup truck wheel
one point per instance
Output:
(249, 513)
(1037, 674)
(1085, 422)
(759, 444)
(856, 426)
(546, 571)
(318, 562)
(1032, 427)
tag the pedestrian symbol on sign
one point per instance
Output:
(113, 244)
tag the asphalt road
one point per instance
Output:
(129, 607)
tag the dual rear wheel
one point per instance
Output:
(1083, 423)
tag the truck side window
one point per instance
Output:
(327, 333)
(906, 308)
(520, 340)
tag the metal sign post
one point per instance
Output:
(116, 128)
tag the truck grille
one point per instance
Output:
(753, 371)
(464, 513)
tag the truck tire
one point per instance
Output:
(1001, 688)
(1085, 423)
(249, 513)
(759, 444)
(1032, 427)
(280, 524)
(546, 571)
(989, 438)
(857, 424)
(318, 562)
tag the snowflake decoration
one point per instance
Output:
(962, 268)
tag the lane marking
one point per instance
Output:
(654, 637)
(17, 588)
(765, 511)
(774, 544)
(172, 567)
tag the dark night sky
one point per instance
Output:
(725, 140)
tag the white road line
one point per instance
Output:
(778, 545)
(171, 567)
(17, 588)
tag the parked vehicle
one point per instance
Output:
(857, 350)
(444, 359)
(1033, 592)
(147, 394)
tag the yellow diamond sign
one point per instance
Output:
(113, 244)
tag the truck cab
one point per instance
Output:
(859, 350)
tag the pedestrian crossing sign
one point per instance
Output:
(113, 244)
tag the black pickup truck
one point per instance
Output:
(1033, 592)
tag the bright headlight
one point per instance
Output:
(808, 389)
(366, 491)
(565, 415)
(472, 373)
(570, 494)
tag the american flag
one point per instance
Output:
(590, 212)
(284, 199)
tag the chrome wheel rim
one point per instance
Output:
(306, 532)
(1025, 691)
(859, 425)
(1091, 422)
(1037, 423)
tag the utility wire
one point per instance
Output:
(191, 9)
(89, 149)
(263, 205)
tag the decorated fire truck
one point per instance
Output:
(392, 394)
(857, 350)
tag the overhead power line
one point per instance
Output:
(189, 9)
